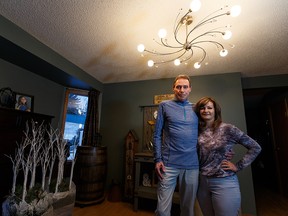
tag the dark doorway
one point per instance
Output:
(267, 122)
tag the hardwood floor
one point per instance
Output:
(111, 209)
(268, 203)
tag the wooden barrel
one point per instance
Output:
(90, 174)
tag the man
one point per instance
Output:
(175, 153)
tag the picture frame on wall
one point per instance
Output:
(159, 98)
(24, 102)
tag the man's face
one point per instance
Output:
(182, 89)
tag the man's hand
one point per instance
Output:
(229, 155)
(159, 169)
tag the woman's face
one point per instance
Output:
(207, 112)
(23, 100)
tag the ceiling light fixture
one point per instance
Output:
(185, 46)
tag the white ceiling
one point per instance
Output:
(101, 36)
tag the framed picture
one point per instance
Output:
(24, 102)
(159, 98)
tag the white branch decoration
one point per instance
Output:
(60, 149)
(40, 146)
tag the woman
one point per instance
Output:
(219, 191)
(22, 104)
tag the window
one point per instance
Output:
(74, 116)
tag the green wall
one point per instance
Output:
(265, 81)
(121, 113)
(48, 95)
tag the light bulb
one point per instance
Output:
(162, 33)
(223, 53)
(235, 10)
(195, 5)
(141, 48)
(197, 65)
(227, 35)
(177, 62)
(150, 63)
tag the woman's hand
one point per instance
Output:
(159, 169)
(228, 165)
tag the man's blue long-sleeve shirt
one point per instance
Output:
(176, 134)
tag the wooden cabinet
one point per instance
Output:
(12, 125)
(149, 119)
(145, 177)
(146, 180)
